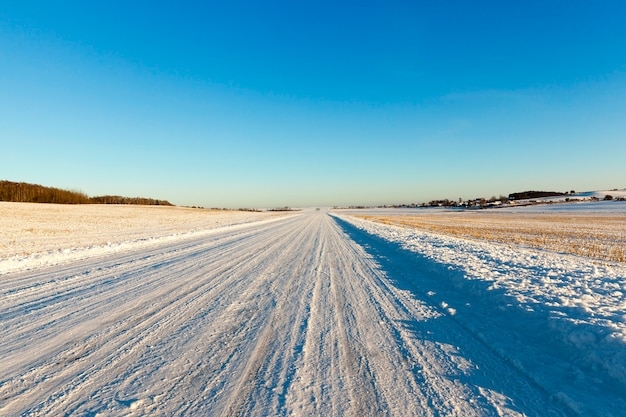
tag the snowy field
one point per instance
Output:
(35, 235)
(312, 313)
(573, 229)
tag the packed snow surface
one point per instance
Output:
(314, 313)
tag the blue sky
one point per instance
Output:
(233, 104)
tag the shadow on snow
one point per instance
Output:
(551, 354)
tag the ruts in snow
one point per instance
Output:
(289, 317)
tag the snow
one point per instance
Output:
(300, 314)
(601, 194)
(571, 308)
(38, 235)
(583, 196)
(606, 207)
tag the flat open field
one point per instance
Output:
(600, 235)
(51, 233)
(189, 312)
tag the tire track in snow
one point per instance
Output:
(284, 318)
(163, 299)
(457, 353)
(331, 360)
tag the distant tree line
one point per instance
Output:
(116, 199)
(22, 192)
(525, 195)
(33, 193)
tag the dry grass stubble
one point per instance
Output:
(595, 236)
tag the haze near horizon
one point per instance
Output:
(313, 104)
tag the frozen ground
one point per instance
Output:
(36, 235)
(598, 234)
(314, 314)
(597, 207)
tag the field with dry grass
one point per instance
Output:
(598, 236)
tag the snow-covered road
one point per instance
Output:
(305, 315)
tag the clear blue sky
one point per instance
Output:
(273, 103)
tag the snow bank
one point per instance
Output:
(583, 301)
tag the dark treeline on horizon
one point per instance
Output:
(524, 195)
(21, 192)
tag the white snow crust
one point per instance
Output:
(310, 314)
(39, 235)
(599, 207)
(572, 308)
